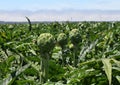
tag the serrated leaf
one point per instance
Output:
(118, 78)
(6, 80)
(21, 69)
(9, 79)
(116, 62)
(116, 68)
(33, 52)
(108, 69)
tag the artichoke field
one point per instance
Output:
(60, 53)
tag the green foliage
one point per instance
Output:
(86, 55)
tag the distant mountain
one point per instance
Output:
(61, 15)
(1, 22)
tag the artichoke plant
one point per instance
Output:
(75, 38)
(46, 43)
(62, 41)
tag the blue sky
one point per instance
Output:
(34, 5)
(60, 10)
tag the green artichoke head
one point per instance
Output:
(75, 36)
(62, 39)
(71, 46)
(46, 42)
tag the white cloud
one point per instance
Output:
(64, 15)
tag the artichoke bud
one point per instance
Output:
(71, 46)
(46, 42)
(75, 36)
(62, 39)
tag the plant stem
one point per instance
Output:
(29, 22)
(44, 68)
(63, 57)
(75, 58)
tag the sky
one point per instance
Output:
(19, 8)
(34, 5)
